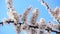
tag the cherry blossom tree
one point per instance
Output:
(20, 21)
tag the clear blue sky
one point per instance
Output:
(20, 6)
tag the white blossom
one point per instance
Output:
(42, 25)
(34, 16)
(25, 14)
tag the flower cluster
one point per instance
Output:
(20, 22)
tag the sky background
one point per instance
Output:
(20, 6)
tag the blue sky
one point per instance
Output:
(20, 6)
